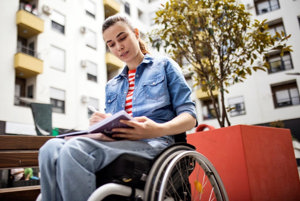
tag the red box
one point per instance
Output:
(255, 163)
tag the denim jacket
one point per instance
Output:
(160, 91)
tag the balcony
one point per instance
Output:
(200, 94)
(113, 62)
(26, 64)
(111, 7)
(28, 24)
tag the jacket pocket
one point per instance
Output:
(111, 102)
(155, 88)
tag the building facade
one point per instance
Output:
(52, 52)
(271, 97)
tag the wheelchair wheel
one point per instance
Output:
(185, 175)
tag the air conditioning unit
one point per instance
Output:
(82, 30)
(84, 99)
(83, 63)
(47, 10)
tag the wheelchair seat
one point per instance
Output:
(127, 169)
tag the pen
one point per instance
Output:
(93, 109)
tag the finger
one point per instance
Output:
(123, 130)
(101, 115)
(130, 123)
(141, 119)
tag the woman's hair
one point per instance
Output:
(121, 18)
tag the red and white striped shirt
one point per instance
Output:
(128, 103)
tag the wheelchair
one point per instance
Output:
(179, 173)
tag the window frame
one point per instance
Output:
(87, 40)
(269, 8)
(207, 103)
(232, 102)
(64, 59)
(283, 62)
(93, 77)
(55, 101)
(276, 26)
(127, 8)
(88, 11)
(58, 22)
(281, 87)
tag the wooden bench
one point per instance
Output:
(20, 151)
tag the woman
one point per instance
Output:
(152, 90)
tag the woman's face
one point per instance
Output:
(123, 42)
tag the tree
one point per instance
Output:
(219, 40)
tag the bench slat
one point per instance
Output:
(20, 151)
(13, 142)
(13, 159)
(25, 193)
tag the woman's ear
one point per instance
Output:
(137, 33)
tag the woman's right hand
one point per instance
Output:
(95, 118)
(98, 116)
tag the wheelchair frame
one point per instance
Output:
(161, 172)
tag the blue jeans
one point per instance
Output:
(67, 167)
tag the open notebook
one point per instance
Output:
(105, 126)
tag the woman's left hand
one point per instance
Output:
(142, 128)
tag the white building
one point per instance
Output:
(271, 96)
(52, 52)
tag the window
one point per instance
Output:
(91, 39)
(208, 110)
(30, 91)
(57, 58)
(237, 106)
(90, 8)
(127, 8)
(23, 90)
(20, 86)
(93, 102)
(140, 14)
(57, 99)
(265, 6)
(58, 22)
(285, 94)
(280, 63)
(278, 27)
(91, 71)
(24, 47)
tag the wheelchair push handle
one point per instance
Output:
(201, 127)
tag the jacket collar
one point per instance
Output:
(147, 59)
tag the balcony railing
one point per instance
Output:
(28, 23)
(26, 63)
(29, 8)
(26, 50)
